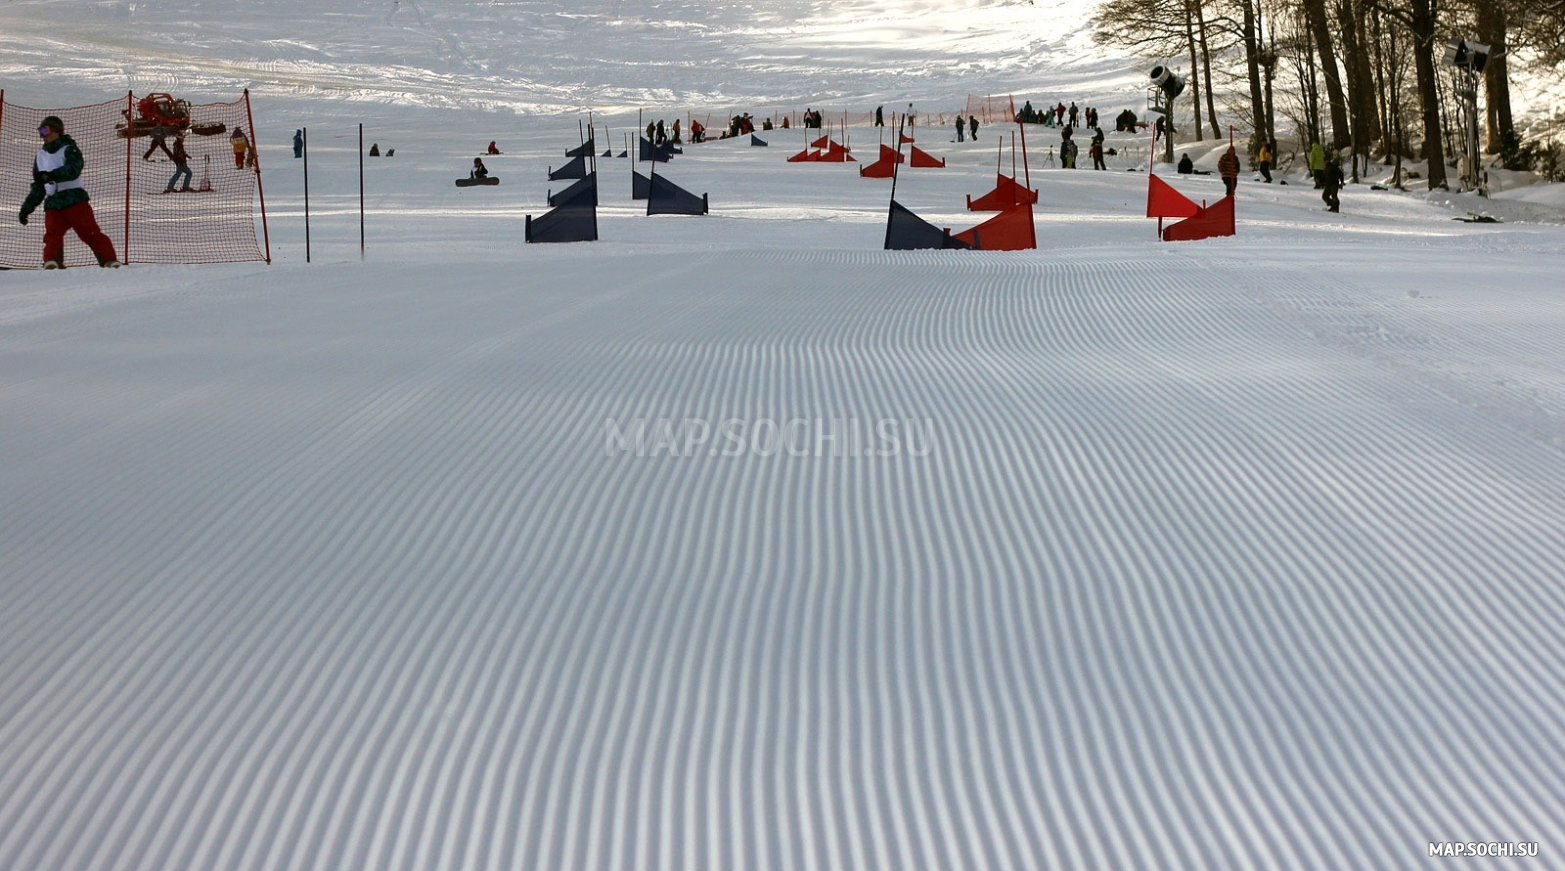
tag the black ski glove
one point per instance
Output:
(22, 216)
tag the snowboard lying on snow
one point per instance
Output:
(470, 182)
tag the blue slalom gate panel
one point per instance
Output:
(573, 220)
(666, 198)
(906, 231)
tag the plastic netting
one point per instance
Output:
(128, 167)
(103, 173)
(992, 110)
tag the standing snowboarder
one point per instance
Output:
(1228, 168)
(158, 135)
(1318, 164)
(298, 143)
(1331, 183)
(58, 186)
(241, 147)
(880, 120)
(181, 166)
(960, 128)
(1263, 160)
(972, 124)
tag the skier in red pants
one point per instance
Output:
(57, 185)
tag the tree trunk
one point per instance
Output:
(1320, 31)
(1353, 17)
(1492, 27)
(1195, 77)
(1309, 93)
(1423, 21)
(1206, 70)
(1271, 76)
(1375, 36)
(1252, 63)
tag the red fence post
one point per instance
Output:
(255, 155)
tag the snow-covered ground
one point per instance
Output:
(1239, 553)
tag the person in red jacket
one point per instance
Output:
(58, 186)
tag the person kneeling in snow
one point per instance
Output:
(58, 186)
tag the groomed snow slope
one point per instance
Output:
(1228, 554)
(1242, 554)
(545, 55)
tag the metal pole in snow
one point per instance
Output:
(305, 136)
(361, 191)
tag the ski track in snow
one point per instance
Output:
(1189, 579)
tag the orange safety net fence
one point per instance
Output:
(992, 110)
(127, 166)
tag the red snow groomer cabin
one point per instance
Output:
(162, 110)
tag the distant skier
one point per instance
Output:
(961, 127)
(972, 124)
(298, 143)
(880, 119)
(58, 186)
(1073, 112)
(1263, 160)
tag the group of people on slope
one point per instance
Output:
(1325, 170)
(1069, 151)
(1061, 115)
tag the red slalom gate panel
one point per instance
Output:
(836, 153)
(890, 154)
(1007, 193)
(822, 142)
(1165, 202)
(1214, 220)
(879, 169)
(1011, 230)
(924, 160)
(804, 156)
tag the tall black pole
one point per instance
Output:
(361, 191)
(305, 138)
